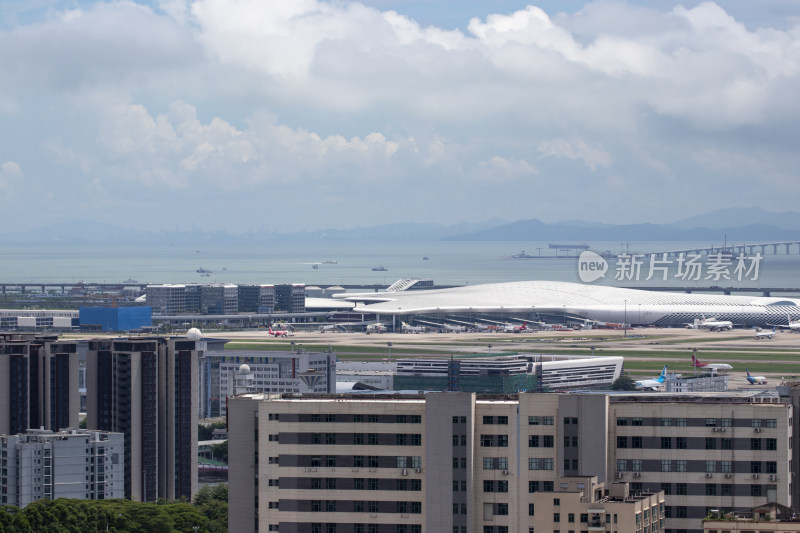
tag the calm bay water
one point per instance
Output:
(455, 263)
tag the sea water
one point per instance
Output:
(447, 263)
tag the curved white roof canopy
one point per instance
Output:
(611, 304)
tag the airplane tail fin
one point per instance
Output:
(748, 372)
(663, 375)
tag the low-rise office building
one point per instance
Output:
(584, 504)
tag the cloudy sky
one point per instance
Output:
(305, 114)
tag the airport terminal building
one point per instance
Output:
(527, 300)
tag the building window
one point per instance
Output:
(726, 490)
(680, 465)
(726, 422)
(666, 465)
(711, 466)
(726, 467)
(755, 422)
(666, 421)
(666, 443)
(533, 441)
(772, 444)
(711, 443)
(755, 490)
(755, 467)
(533, 420)
(488, 420)
(681, 443)
(772, 423)
(726, 444)
(755, 444)
(547, 420)
(622, 465)
(622, 421)
(547, 441)
(636, 442)
(681, 489)
(636, 421)
(636, 465)
(622, 442)
(667, 488)
(772, 467)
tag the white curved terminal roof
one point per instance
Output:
(591, 301)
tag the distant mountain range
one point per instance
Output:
(736, 224)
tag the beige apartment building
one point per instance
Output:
(467, 463)
(584, 504)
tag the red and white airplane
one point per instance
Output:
(512, 328)
(710, 366)
(279, 332)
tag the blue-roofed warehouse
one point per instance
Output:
(115, 318)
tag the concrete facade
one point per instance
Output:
(463, 462)
(38, 383)
(147, 389)
(77, 464)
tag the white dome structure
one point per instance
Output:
(194, 334)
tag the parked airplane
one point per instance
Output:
(710, 366)
(653, 383)
(711, 324)
(513, 328)
(376, 327)
(756, 380)
(279, 332)
(765, 334)
(453, 328)
(794, 325)
(407, 328)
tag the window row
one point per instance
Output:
(708, 422)
(710, 466)
(332, 483)
(367, 528)
(358, 506)
(357, 418)
(371, 439)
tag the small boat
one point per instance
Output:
(380, 268)
(202, 270)
(315, 266)
(329, 262)
(425, 258)
(522, 255)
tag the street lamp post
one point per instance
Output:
(389, 345)
(625, 319)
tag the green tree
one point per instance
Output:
(624, 382)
